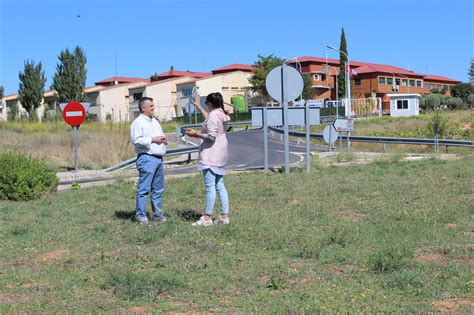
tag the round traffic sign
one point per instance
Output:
(74, 114)
(287, 77)
(330, 134)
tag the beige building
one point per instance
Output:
(110, 102)
(229, 81)
(48, 102)
(163, 93)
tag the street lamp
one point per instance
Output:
(394, 81)
(348, 81)
(297, 66)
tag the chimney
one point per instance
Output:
(171, 70)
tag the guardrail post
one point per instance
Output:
(384, 148)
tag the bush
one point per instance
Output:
(455, 103)
(24, 178)
(470, 100)
(433, 101)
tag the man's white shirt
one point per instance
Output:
(141, 131)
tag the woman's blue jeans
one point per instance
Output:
(151, 179)
(215, 183)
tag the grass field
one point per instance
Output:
(390, 236)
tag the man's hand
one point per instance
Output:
(160, 139)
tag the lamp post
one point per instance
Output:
(348, 81)
(408, 81)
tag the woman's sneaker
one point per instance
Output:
(203, 222)
(224, 220)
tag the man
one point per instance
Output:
(150, 145)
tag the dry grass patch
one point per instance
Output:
(55, 254)
(455, 305)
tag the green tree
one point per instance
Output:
(261, 69)
(342, 65)
(31, 89)
(462, 90)
(1, 92)
(308, 90)
(471, 72)
(70, 77)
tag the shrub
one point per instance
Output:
(24, 178)
(423, 103)
(387, 260)
(455, 103)
(470, 100)
(432, 101)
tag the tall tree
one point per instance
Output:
(31, 89)
(462, 90)
(70, 77)
(1, 91)
(471, 72)
(308, 90)
(342, 64)
(261, 69)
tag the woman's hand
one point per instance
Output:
(191, 132)
(197, 100)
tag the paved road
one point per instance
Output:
(246, 152)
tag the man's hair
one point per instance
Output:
(142, 102)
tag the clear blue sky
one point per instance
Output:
(137, 38)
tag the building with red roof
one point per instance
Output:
(369, 79)
(120, 80)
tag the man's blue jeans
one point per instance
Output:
(215, 183)
(151, 179)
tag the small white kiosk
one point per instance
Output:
(404, 105)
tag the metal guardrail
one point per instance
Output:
(393, 140)
(182, 129)
(169, 152)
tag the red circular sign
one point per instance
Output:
(74, 114)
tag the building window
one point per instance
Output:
(389, 81)
(381, 80)
(316, 77)
(234, 88)
(404, 82)
(137, 96)
(323, 77)
(225, 88)
(357, 82)
(426, 86)
(412, 82)
(402, 104)
(187, 92)
(418, 83)
(397, 81)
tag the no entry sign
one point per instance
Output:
(74, 114)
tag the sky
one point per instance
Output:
(137, 38)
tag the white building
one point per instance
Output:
(404, 105)
(229, 81)
(163, 93)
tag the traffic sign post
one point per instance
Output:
(285, 84)
(74, 114)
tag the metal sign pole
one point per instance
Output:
(308, 156)
(265, 140)
(75, 153)
(285, 120)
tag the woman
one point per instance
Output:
(212, 156)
